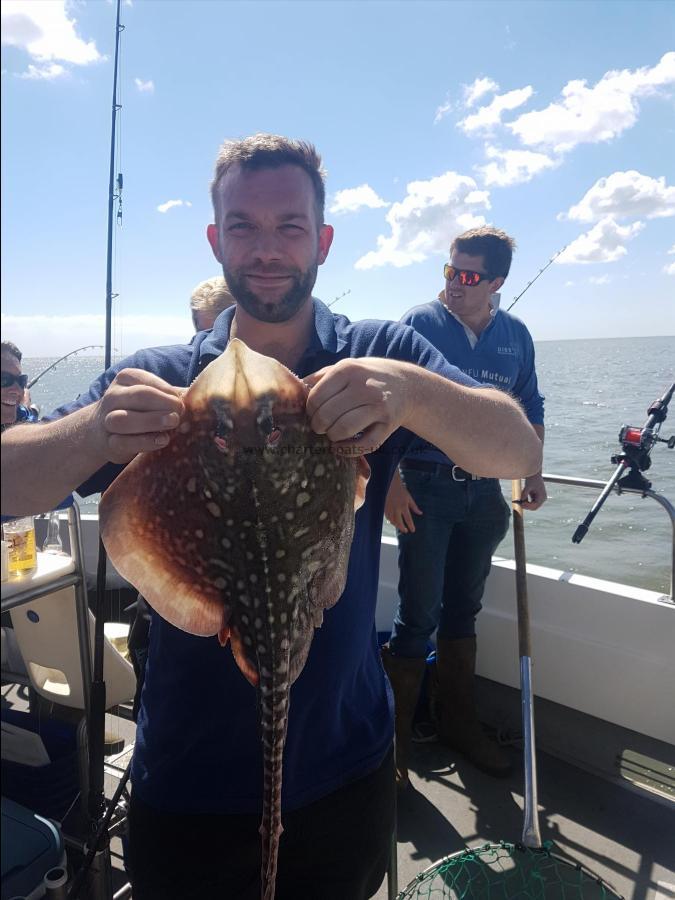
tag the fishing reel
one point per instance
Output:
(637, 444)
(634, 459)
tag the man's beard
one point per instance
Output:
(280, 310)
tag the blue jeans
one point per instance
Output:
(444, 564)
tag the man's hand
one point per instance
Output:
(136, 414)
(534, 492)
(358, 403)
(400, 506)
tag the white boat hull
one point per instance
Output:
(601, 648)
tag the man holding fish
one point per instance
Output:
(250, 481)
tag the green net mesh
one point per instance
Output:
(506, 872)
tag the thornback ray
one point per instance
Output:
(241, 527)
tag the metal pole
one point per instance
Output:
(82, 607)
(531, 835)
(392, 868)
(100, 862)
(582, 528)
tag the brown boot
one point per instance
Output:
(405, 676)
(457, 721)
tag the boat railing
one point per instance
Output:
(573, 481)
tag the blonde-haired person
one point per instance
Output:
(208, 300)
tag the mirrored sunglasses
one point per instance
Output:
(8, 379)
(467, 278)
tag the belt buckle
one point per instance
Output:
(454, 476)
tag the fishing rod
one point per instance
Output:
(343, 294)
(60, 360)
(96, 803)
(112, 196)
(538, 275)
(634, 459)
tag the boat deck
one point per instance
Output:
(625, 838)
(622, 834)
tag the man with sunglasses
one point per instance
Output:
(15, 400)
(449, 521)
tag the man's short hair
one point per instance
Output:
(12, 349)
(271, 151)
(211, 296)
(494, 245)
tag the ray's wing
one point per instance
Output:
(329, 580)
(160, 534)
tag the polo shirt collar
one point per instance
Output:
(471, 335)
(327, 336)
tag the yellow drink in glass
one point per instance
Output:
(20, 535)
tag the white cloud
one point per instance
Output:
(47, 31)
(599, 279)
(625, 194)
(478, 88)
(603, 243)
(442, 111)
(570, 283)
(425, 221)
(41, 335)
(165, 207)
(353, 199)
(513, 166)
(470, 94)
(485, 118)
(46, 73)
(598, 113)
(144, 87)
(670, 268)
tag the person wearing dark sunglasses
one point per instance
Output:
(450, 521)
(15, 398)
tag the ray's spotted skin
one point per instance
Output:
(241, 528)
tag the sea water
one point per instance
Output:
(592, 388)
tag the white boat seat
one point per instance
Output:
(46, 634)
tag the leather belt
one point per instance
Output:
(449, 470)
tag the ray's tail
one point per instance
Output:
(274, 702)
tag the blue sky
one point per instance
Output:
(555, 121)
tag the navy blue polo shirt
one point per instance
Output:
(503, 357)
(198, 747)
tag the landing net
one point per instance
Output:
(507, 872)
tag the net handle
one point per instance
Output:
(531, 834)
(524, 639)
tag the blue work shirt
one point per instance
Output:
(198, 747)
(503, 357)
